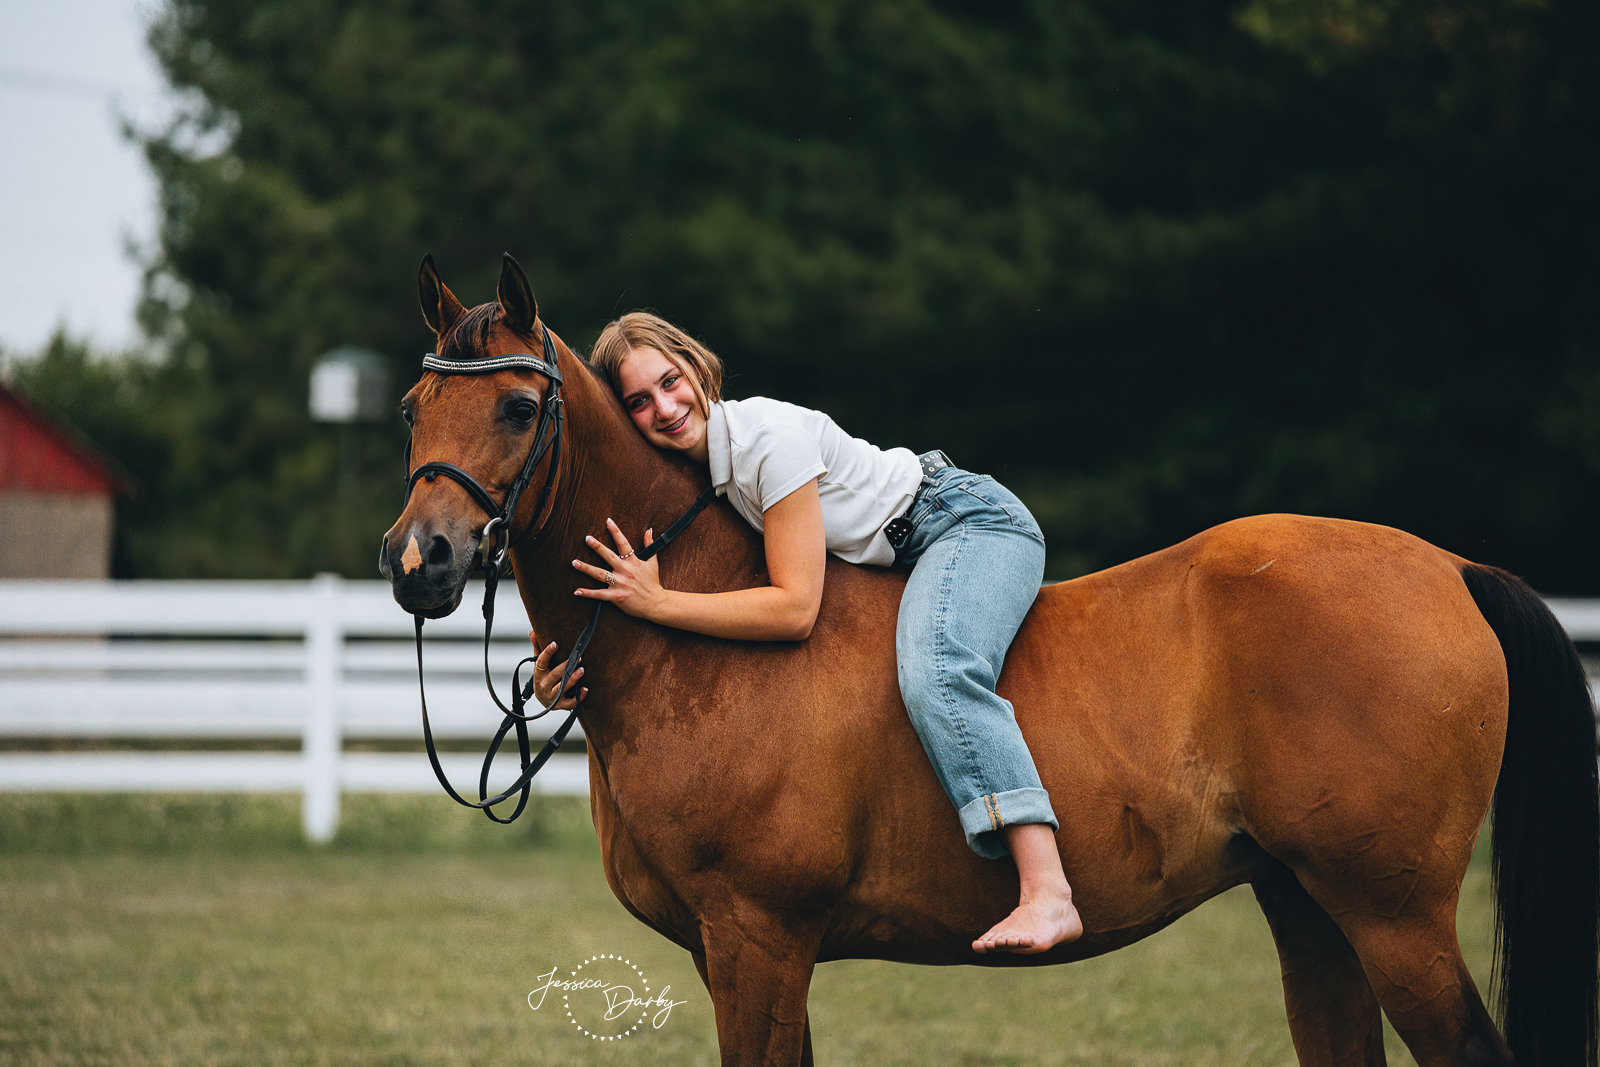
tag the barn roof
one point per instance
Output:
(39, 455)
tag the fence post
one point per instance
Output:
(321, 745)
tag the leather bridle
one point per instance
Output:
(547, 438)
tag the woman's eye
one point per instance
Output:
(670, 382)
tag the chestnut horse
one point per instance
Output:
(1320, 708)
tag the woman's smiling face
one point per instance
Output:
(659, 399)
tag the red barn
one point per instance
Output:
(55, 498)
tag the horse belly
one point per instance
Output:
(1107, 708)
(1108, 695)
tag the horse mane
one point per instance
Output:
(469, 337)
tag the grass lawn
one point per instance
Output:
(417, 937)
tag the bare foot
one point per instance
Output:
(1036, 926)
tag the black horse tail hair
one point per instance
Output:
(1546, 842)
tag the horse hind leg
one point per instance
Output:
(1417, 972)
(1413, 966)
(1333, 1015)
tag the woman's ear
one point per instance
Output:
(439, 305)
(516, 297)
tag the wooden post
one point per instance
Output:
(321, 745)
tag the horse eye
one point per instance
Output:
(407, 414)
(521, 410)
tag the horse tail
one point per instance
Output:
(1546, 841)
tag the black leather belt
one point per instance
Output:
(898, 530)
(933, 462)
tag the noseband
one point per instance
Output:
(547, 438)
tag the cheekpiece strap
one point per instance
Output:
(511, 361)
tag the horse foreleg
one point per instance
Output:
(807, 1058)
(1333, 1014)
(758, 971)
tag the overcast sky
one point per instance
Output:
(73, 192)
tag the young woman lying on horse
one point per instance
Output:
(976, 560)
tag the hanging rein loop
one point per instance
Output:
(547, 438)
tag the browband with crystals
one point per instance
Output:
(493, 363)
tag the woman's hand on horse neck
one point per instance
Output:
(785, 610)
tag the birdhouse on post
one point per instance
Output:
(350, 384)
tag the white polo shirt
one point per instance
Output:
(762, 450)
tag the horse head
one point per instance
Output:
(485, 425)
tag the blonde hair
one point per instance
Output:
(640, 329)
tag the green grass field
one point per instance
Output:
(200, 930)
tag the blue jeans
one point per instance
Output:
(977, 560)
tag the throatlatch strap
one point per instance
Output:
(699, 505)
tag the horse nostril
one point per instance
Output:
(440, 557)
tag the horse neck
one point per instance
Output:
(609, 471)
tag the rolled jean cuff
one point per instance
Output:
(983, 818)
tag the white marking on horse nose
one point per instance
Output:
(411, 558)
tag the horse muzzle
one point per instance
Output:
(427, 572)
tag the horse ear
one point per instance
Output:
(439, 305)
(516, 297)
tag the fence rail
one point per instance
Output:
(323, 662)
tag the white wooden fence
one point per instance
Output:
(318, 662)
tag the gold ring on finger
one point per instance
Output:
(611, 579)
(626, 554)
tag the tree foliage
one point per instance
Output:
(1155, 264)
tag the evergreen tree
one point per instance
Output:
(1154, 264)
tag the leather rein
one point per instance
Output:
(547, 438)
